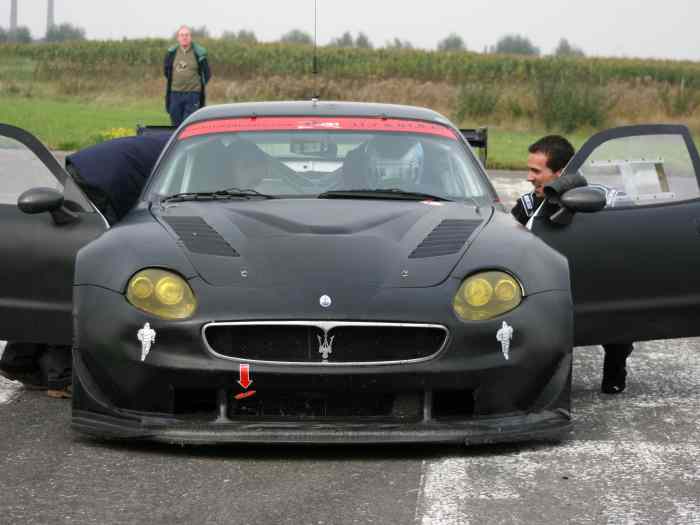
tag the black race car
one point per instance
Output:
(332, 272)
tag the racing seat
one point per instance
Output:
(211, 167)
(356, 169)
(430, 180)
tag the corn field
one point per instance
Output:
(241, 61)
(468, 87)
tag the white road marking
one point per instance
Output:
(458, 490)
(630, 456)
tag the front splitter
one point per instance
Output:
(542, 426)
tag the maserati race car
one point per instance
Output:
(320, 272)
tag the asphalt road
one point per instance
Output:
(633, 458)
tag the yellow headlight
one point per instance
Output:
(487, 295)
(141, 287)
(170, 290)
(161, 293)
(478, 292)
(506, 290)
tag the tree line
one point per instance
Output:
(508, 44)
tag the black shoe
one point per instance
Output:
(612, 388)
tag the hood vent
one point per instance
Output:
(199, 237)
(447, 238)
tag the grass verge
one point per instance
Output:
(70, 125)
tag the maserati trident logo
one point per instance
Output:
(325, 301)
(325, 345)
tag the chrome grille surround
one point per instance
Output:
(327, 326)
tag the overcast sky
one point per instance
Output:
(661, 29)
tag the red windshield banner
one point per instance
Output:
(363, 124)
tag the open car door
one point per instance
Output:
(635, 265)
(38, 249)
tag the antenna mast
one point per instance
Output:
(316, 95)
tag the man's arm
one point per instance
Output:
(166, 60)
(206, 72)
(525, 207)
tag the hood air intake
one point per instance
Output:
(199, 237)
(447, 238)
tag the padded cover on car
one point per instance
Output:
(113, 173)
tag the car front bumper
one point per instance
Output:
(469, 393)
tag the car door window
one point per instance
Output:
(21, 170)
(643, 170)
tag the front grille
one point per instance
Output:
(343, 343)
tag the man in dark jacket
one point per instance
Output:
(547, 159)
(113, 173)
(187, 73)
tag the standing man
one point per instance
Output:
(187, 73)
(548, 158)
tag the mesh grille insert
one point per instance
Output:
(299, 406)
(199, 237)
(447, 238)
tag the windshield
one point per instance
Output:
(303, 157)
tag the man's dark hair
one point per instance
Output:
(557, 149)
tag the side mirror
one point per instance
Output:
(578, 200)
(584, 200)
(41, 200)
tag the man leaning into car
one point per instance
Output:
(547, 159)
(187, 72)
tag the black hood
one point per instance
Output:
(279, 242)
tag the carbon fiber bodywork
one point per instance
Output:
(468, 392)
(392, 263)
(525, 397)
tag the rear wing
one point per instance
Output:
(478, 139)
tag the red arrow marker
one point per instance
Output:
(244, 372)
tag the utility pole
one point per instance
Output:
(13, 16)
(50, 21)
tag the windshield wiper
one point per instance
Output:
(231, 193)
(389, 193)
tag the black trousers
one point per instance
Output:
(38, 365)
(618, 352)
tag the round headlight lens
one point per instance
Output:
(478, 292)
(170, 290)
(141, 287)
(161, 293)
(506, 290)
(487, 295)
